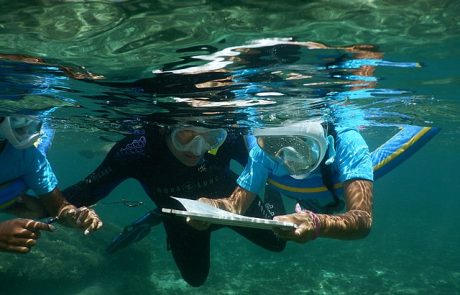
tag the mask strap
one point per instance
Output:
(330, 150)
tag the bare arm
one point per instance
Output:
(238, 202)
(53, 202)
(355, 223)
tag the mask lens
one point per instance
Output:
(182, 137)
(215, 137)
(185, 138)
(299, 153)
(24, 127)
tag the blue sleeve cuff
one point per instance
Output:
(253, 177)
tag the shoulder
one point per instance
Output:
(349, 138)
(140, 144)
(352, 155)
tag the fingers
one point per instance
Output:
(83, 218)
(68, 211)
(18, 245)
(286, 234)
(290, 235)
(36, 226)
(27, 234)
(197, 224)
(30, 229)
(299, 235)
(206, 201)
(21, 242)
(13, 248)
(87, 220)
(95, 224)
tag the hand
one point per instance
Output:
(307, 227)
(20, 235)
(198, 224)
(84, 218)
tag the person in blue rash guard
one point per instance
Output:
(21, 160)
(298, 153)
(184, 161)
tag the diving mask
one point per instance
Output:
(300, 147)
(197, 140)
(20, 131)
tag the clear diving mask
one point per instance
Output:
(300, 147)
(197, 140)
(20, 131)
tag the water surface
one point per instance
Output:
(150, 54)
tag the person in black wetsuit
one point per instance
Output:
(182, 161)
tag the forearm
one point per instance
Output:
(356, 222)
(94, 187)
(81, 194)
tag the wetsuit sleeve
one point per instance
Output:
(40, 176)
(119, 165)
(353, 159)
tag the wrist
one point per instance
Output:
(65, 208)
(315, 221)
(317, 224)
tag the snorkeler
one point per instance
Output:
(291, 158)
(185, 161)
(24, 167)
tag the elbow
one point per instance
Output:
(365, 228)
(365, 232)
(361, 224)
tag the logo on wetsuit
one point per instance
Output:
(188, 186)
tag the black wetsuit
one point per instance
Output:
(147, 159)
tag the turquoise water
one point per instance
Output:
(414, 242)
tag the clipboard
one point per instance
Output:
(204, 212)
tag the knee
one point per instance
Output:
(278, 247)
(195, 280)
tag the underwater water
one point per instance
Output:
(107, 68)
